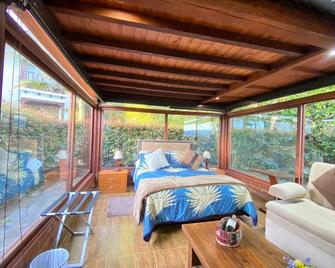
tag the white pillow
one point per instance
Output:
(156, 160)
(287, 191)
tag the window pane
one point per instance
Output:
(319, 134)
(123, 129)
(265, 141)
(82, 140)
(204, 131)
(33, 145)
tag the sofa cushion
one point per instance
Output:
(325, 184)
(307, 215)
(317, 170)
(287, 190)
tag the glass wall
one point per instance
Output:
(265, 142)
(34, 130)
(122, 129)
(82, 140)
(204, 131)
(319, 134)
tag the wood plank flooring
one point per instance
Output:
(118, 242)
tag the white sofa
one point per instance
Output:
(303, 224)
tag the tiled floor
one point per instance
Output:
(118, 242)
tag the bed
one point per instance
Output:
(19, 173)
(178, 193)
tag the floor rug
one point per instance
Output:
(120, 206)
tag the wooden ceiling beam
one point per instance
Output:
(149, 100)
(185, 90)
(160, 69)
(281, 19)
(155, 51)
(307, 85)
(169, 90)
(309, 70)
(98, 73)
(257, 78)
(149, 92)
(164, 25)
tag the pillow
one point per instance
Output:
(325, 184)
(287, 191)
(191, 159)
(156, 160)
(142, 162)
(173, 159)
(4, 156)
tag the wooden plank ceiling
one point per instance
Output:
(200, 52)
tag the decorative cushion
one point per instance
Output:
(287, 191)
(191, 159)
(325, 184)
(317, 170)
(174, 159)
(156, 160)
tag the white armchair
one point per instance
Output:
(303, 223)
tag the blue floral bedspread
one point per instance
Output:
(191, 203)
(18, 174)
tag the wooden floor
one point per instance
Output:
(118, 242)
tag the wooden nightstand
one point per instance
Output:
(111, 181)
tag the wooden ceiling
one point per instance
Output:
(192, 52)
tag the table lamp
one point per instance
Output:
(118, 156)
(207, 156)
(62, 154)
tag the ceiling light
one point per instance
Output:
(331, 53)
(217, 98)
(200, 105)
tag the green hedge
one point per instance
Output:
(33, 125)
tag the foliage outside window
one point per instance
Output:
(82, 140)
(123, 129)
(319, 134)
(33, 145)
(203, 131)
(264, 141)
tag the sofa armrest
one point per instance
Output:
(287, 191)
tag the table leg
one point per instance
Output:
(192, 258)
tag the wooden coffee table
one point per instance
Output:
(253, 251)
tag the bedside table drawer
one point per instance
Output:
(113, 182)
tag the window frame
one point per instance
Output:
(166, 113)
(14, 36)
(7, 39)
(82, 178)
(256, 183)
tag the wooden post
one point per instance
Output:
(96, 146)
(300, 147)
(70, 143)
(225, 142)
(2, 44)
(166, 127)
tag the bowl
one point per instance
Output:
(228, 239)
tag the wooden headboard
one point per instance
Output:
(167, 145)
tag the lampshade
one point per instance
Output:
(62, 154)
(207, 155)
(118, 155)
